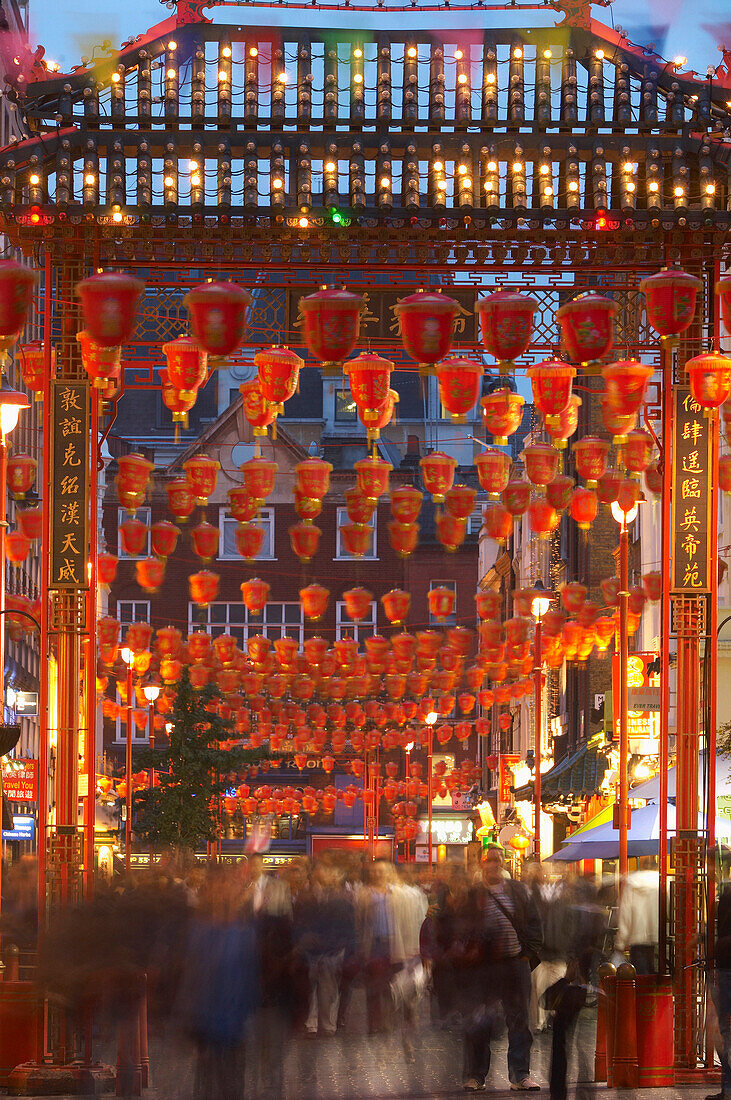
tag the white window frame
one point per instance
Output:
(346, 628)
(136, 605)
(243, 624)
(120, 735)
(340, 555)
(265, 518)
(144, 514)
(452, 620)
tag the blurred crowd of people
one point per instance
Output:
(239, 958)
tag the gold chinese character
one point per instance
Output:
(70, 400)
(67, 572)
(690, 544)
(691, 463)
(69, 457)
(690, 488)
(70, 513)
(70, 485)
(690, 521)
(692, 431)
(366, 314)
(69, 543)
(691, 578)
(690, 404)
(70, 426)
(459, 319)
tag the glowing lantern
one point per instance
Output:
(437, 472)
(493, 470)
(551, 381)
(172, 400)
(506, 324)
(203, 587)
(383, 417)
(460, 501)
(314, 600)
(199, 645)
(201, 474)
(150, 573)
(279, 370)
(603, 632)
(134, 475)
(652, 585)
(249, 540)
(180, 498)
(313, 477)
(626, 381)
(460, 381)
(615, 422)
(610, 591)
(724, 473)
(406, 504)
(16, 295)
(360, 508)
(167, 641)
(106, 565)
(584, 504)
(17, 546)
(541, 463)
(331, 325)
(488, 603)
(369, 376)
(629, 494)
(30, 522)
(403, 537)
(243, 508)
(254, 595)
(451, 531)
(502, 412)
(109, 307)
(516, 496)
(426, 323)
(307, 508)
(519, 842)
(498, 522)
(21, 472)
(573, 596)
(587, 327)
(205, 541)
(670, 298)
(101, 364)
(358, 603)
(637, 450)
(134, 537)
(305, 540)
(653, 478)
(259, 476)
(565, 423)
(218, 316)
(559, 491)
(356, 538)
(591, 459)
(372, 475)
(396, 604)
(225, 647)
(33, 366)
(187, 366)
(709, 377)
(138, 636)
(256, 409)
(441, 602)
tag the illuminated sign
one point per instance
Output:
(20, 780)
(69, 485)
(691, 465)
(24, 827)
(643, 697)
(508, 762)
(445, 830)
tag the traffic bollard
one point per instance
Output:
(625, 1069)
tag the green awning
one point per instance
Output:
(576, 776)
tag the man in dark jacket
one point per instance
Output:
(504, 936)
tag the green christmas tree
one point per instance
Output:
(192, 772)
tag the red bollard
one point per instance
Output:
(625, 1068)
(655, 1053)
(606, 973)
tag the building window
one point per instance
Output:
(227, 526)
(143, 515)
(474, 523)
(451, 620)
(277, 620)
(346, 411)
(132, 611)
(340, 551)
(346, 628)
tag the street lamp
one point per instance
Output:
(407, 754)
(429, 721)
(623, 518)
(151, 692)
(539, 606)
(128, 657)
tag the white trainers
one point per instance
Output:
(526, 1085)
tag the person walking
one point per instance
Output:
(721, 990)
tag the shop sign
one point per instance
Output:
(20, 780)
(508, 761)
(691, 475)
(69, 429)
(643, 697)
(24, 827)
(445, 830)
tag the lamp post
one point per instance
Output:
(539, 606)
(623, 518)
(128, 657)
(407, 754)
(151, 691)
(429, 721)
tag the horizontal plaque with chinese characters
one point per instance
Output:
(69, 485)
(691, 568)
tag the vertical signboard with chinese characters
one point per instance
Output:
(69, 485)
(691, 495)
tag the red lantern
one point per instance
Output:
(637, 450)
(498, 522)
(307, 508)
(551, 381)
(150, 573)
(542, 517)
(709, 377)
(243, 508)
(106, 565)
(134, 475)
(437, 472)
(256, 409)
(249, 540)
(541, 463)
(506, 324)
(460, 381)
(199, 645)
(396, 604)
(460, 501)
(360, 509)
(493, 470)
(653, 478)
(17, 546)
(441, 602)
(591, 459)
(615, 422)
(403, 537)
(626, 385)
(488, 603)
(369, 376)
(372, 475)
(180, 498)
(724, 473)
(30, 522)
(33, 366)
(406, 504)
(187, 366)
(173, 400)
(259, 476)
(628, 495)
(138, 637)
(670, 297)
(305, 540)
(451, 531)
(205, 541)
(559, 490)
(168, 640)
(516, 496)
(356, 538)
(587, 327)
(357, 603)
(426, 322)
(573, 596)
(584, 504)
(279, 370)
(382, 419)
(16, 295)
(134, 537)
(610, 591)
(201, 474)
(254, 595)
(331, 325)
(502, 412)
(109, 307)
(314, 600)
(608, 486)
(313, 477)
(652, 585)
(203, 587)
(565, 424)
(21, 472)
(218, 316)
(101, 364)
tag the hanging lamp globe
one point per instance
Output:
(460, 382)
(369, 377)
(109, 304)
(559, 490)
(201, 473)
(304, 539)
(403, 537)
(187, 366)
(502, 412)
(331, 326)
(709, 377)
(181, 501)
(551, 381)
(406, 503)
(493, 470)
(437, 473)
(164, 538)
(670, 300)
(218, 316)
(587, 328)
(101, 364)
(426, 322)
(257, 410)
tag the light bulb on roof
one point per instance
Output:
(462, 79)
(171, 74)
(222, 75)
(517, 166)
(115, 78)
(438, 166)
(517, 52)
(491, 166)
(547, 54)
(89, 178)
(304, 222)
(411, 52)
(253, 52)
(330, 166)
(490, 78)
(544, 169)
(652, 186)
(680, 60)
(599, 55)
(458, 55)
(168, 181)
(630, 187)
(573, 186)
(678, 192)
(282, 78)
(462, 169)
(628, 166)
(35, 180)
(172, 44)
(358, 78)
(195, 181)
(548, 191)
(226, 51)
(710, 188)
